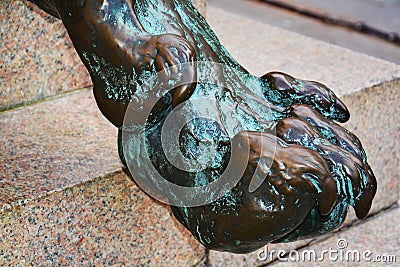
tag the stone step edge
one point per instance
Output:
(370, 85)
(21, 202)
(107, 220)
(9, 207)
(47, 98)
(89, 88)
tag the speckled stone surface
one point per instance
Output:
(55, 144)
(106, 222)
(380, 235)
(261, 48)
(222, 259)
(37, 58)
(375, 118)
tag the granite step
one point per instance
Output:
(64, 199)
(37, 58)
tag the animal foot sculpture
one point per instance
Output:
(289, 172)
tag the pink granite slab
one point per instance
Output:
(55, 144)
(375, 118)
(37, 58)
(106, 222)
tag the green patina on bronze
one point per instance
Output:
(317, 169)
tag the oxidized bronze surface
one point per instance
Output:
(310, 169)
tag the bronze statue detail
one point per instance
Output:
(310, 169)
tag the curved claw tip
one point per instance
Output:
(343, 113)
(363, 205)
(327, 198)
(326, 205)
